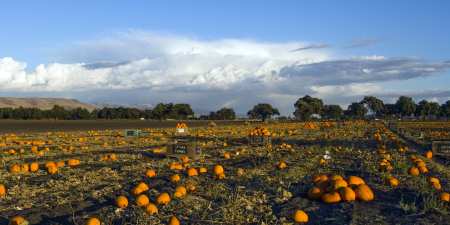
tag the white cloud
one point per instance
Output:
(232, 73)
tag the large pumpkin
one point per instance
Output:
(300, 216)
(331, 198)
(218, 169)
(315, 193)
(121, 202)
(363, 193)
(353, 181)
(347, 194)
(163, 199)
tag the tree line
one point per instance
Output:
(305, 108)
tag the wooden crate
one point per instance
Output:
(180, 148)
(440, 147)
(416, 134)
(181, 131)
(259, 140)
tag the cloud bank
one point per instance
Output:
(145, 67)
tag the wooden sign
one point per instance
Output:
(417, 134)
(182, 131)
(132, 133)
(259, 140)
(183, 148)
(440, 147)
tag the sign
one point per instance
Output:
(132, 133)
(440, 147)
(180, 149)
(257, 139)
(180, 130)
(198, 151)
(416, 134)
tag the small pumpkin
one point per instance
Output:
(338, 184)
(121, 202)
(112, 156)
(163, 199)
(34, 167)
(192, 172)
(2, 189)
(143, 186)
(428, 154)
(151, 208)
(60, 163)
(363, 193)
(218, 169)
(150, 173)
(173, 220)
(142, 201)
(136, 191)
(178, 194)
(444, 196)
(331, 198)
(317, 177)
(353, 181)
(174, 178)
(413, 171)
(282, 165)
(390, 181)
(52, 170)
(432, 180)
(300, 216)
(423, 169)
(240, 171)
(203, 170)
(220, 176)
(14, 169)
(336, 177)
(190, 187)
(24, 168)
(181, 189)
(92, 221)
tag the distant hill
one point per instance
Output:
(43, 103)
(117, 105)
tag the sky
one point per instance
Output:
(215, 54)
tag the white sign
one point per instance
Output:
(181, 130)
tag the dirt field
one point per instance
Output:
(262, 194)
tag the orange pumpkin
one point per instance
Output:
(347, 194)
(163, 199)
(34, 167)
(363, 193)
(150, 173)
(174, 178)
(151, 208)
(300, 216)
(315, 193)
(218, 169)
(92, 221)
(331, 198)
(121, 202)
(142, 201)
(192, 172)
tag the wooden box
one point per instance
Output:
(416, 134)
(259, 140)
(182, 148)
(132, 133)
(181, 131)
(440, 147)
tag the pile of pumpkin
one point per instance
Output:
(212, 123)
(308, 126)
(336, 189)
(260, 131)
(182, 125)
(325, 124)
(50, 166)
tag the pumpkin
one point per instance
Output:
(423, 169)
(150, 173)
(112, 156)
(413, 171)
(331, 198)
(419, 163)
(190, 187)
(300, 216)
(336, 177)
(24, 168)
(185, 164)
(435, 185)
(444, 196)
(353, 181)
(181, 189)
(282, 165)
(15, 168)
(174, 178)
(224, 144)
(432, 180)
(363, 193)
(240, 171)
(178, 194)
(143, 186)
(390, 181)
(227, 156)
(121, 202)
(142, 201)
(49, 164)
(192, 172)
(18, 221)
(203, 170)
(317, 177)
(218, 169)
(347, 194)
(163, 199)
(34, 167)
(2, 189)
(60, 163)
(73, 162)
(220, 176)
(151, 208)
(428, 154)
(323, 184)
(136, 191)
(92, 221)
(338, 184)
(52, 170)
(315, 193)
(322, 161)
(173, 220)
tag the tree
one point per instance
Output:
(162, 110)
(332, 112)
(79, 114)
(405, 106)
(435, 110)
(357, 110)
(306, 106)
(445, 109)
(213, 115)
(94, 114)
(181, 111)
(263, 111)
(423, 109)
(58, 112)
(226, 114)
(374, 104)
(389, 110)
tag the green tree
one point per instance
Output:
(307, 106)
(423, 109)
(389, 110)
(445, 109)
(59, 112)
(94, 114)
(435, 110)
(357, 110)
(263, 111)
(332, 112)
(181, 111)
(79, 114)
(405, 106)
(213, 116)
(374, 104)
(226, 114)
(161, 111)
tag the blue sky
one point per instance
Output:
(210, 54)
